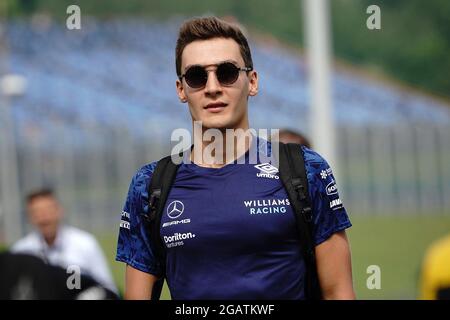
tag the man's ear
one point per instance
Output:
(253, 84)
(180, 91)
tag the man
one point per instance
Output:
(228, 229)
(61, 245)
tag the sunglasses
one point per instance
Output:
(227, 73)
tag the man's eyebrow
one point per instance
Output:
(212, 64)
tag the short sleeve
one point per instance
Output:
(329, 214)
(134, 245)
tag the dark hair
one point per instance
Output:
(46, 192)
(208, 28)
(288, 135)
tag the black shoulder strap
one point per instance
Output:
(159, 188)
(293, 175)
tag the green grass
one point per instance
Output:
(395, 244)
(109, 243)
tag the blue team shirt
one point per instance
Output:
(230, 232)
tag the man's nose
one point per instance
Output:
(212, 86)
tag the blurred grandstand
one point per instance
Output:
(101, 102)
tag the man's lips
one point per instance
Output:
(215, 106)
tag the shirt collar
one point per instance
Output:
(59, 240)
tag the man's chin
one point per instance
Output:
(48, 232)
(220, 125)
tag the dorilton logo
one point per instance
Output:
(175, 209)
(179, 236)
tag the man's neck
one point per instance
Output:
(213, 154)
(50, 240)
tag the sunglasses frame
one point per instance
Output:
(246, 69)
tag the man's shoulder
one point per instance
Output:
(72, 231)
(78, 236)
(314, 162)
(144, 174)
(313, 157)
(28, 243)
(317, 168)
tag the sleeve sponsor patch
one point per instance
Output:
(331, 188)
(125, 221)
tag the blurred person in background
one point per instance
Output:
(227, 252)
(435, 273)
(27, 277)
(291, 136)
(61, 245)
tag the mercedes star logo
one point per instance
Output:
(175, 209)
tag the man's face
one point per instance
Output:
(217, 106)
(45, 214)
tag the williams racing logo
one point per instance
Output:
(266, 206)
(267, 171)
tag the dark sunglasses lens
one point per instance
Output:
(227, 73)
(196, 77)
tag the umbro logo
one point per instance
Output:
(267, 168)
(267, 171)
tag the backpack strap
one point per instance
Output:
(293, 175)
(158, 191)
